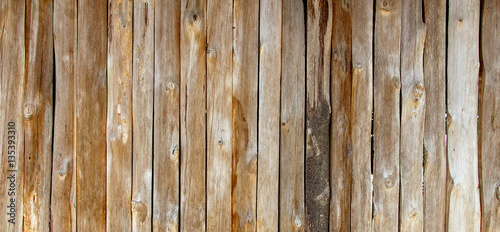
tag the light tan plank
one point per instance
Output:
(435, 108)
(166, 116)
(292, 205)
(193, 115)
(142, 114)
(245, 87)
(361, 114)
(91, 116)
(269, 115)
(387, 85)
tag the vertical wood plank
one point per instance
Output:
(387, 85)
(193, 115)
(361, 114)
(119, 116)
(292, 212)
(462, 103)
(12, 91)
(489, 112)
(91, 116)
(270, 26)
(245, 84)
(412, 116)
(166, 116)
(435, 108)
(63, 209)
(142, 114)
(38, 115)
(317, 175)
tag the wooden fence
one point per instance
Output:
(248, 115)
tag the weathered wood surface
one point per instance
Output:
(91, 116)
(317, 173)
(361, 115)
(166, 116)
(386, 122)
(292, 151)
(193, 115)
(489, 113)
(63, 194)
(270, 22)
(462, 104)
(245, 86)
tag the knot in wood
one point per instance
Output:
(413, 212)
(29, 112)
(389, 183)
(498, 192)
(386, 5)
(298, 222)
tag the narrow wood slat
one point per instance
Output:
(142, 114)
(119, 116)
(435, 109)
(489, 113)
(361, 115)
(91, 116)
(166, 116)
(387, 87)
(292, 150)
(12, 87)
(245, 86)
(270, 26)
(193, 115)
(412, 117)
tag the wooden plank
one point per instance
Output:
(166, 116)
(462, 103)
(435, 108)
(412, 117)
(91, 116)
(11, 114)
(193, 115)
(270, 19)
(361, 114)
(292, 205)
(38, 115)
(317, 174)
(387, 85)
(142, 114)
(489, 112)
(340, 151)
(119, 116)
(245, 87)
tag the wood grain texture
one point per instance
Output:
(166, 116)
(12, 88)
(270, 26)
(413, 34)
(38, 115)
(292, 150)
(193, 115)
(489, 114)
(340, 152)
(317, 174)
(119, 117)
(91, 116)
(142, 114)
(361, 115)
(245, 86)
(462, 103)
(387, 85)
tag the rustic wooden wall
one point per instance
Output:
(250, 115)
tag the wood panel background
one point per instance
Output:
(250, 115)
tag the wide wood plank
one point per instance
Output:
(292, 202)
(166, 116)
(245, 86)
(193, 115)
(387, 85)
(142, 114)
(91, 116)
(269, 115)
